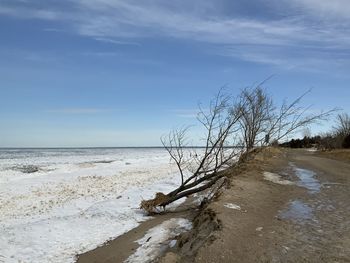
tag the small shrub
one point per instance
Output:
(275, 143)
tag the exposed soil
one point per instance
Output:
(119, 249)
(340, 154)
(305, 222)
(256, 220)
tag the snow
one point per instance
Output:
(172, 243)
(159, 238)
(277, 179)
(232, 206)
(77, 200)
(312, 150)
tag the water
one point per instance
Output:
(308, 180)
(297, 211)
(318, 218)
(14, 162)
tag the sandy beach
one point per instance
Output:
(281, 206)
(174, 131)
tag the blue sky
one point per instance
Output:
(124, 72)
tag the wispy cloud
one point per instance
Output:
(78, 111)
(102, 54)
(335, 9)
(309, 24)
(50, 29)
(117, 42)
(311, 59)
(189, 113)
(186, 113)
(23, 12)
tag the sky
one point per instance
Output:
(88, 73)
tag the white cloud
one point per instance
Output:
(316, 60)
(336, 9)
(78, 110)
(142, 19)
(116, 42)
(52, 30)
(310, 25)
(112, 19)
(29, 13)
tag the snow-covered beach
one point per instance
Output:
(57, 203)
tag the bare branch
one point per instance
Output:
(232, 126)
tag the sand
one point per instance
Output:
(259, 220)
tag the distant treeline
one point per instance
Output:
(337, 138)
(327, 142)
(306, 142)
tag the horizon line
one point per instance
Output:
(92, 147)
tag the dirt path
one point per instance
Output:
(320, 219)
(305, 222)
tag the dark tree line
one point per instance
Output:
(337, 138)
(306, 142)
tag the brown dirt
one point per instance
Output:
(236, 236)
(265, 229)
(342, 155)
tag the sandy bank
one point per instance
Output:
(260, 218)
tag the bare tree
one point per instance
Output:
(343, 124)
(175, 143)
(201, 170)
(291, 117)
(339, 137)
(257, 112)
(232, 127)
(263, 123)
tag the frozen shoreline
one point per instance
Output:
(51, 216)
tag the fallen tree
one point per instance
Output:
(233, 127)
(200, 169)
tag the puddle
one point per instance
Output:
(307, 179)
(297, 211)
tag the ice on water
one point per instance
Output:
(56, 203)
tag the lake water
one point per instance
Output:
(56, 203)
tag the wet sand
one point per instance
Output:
(257, 220)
